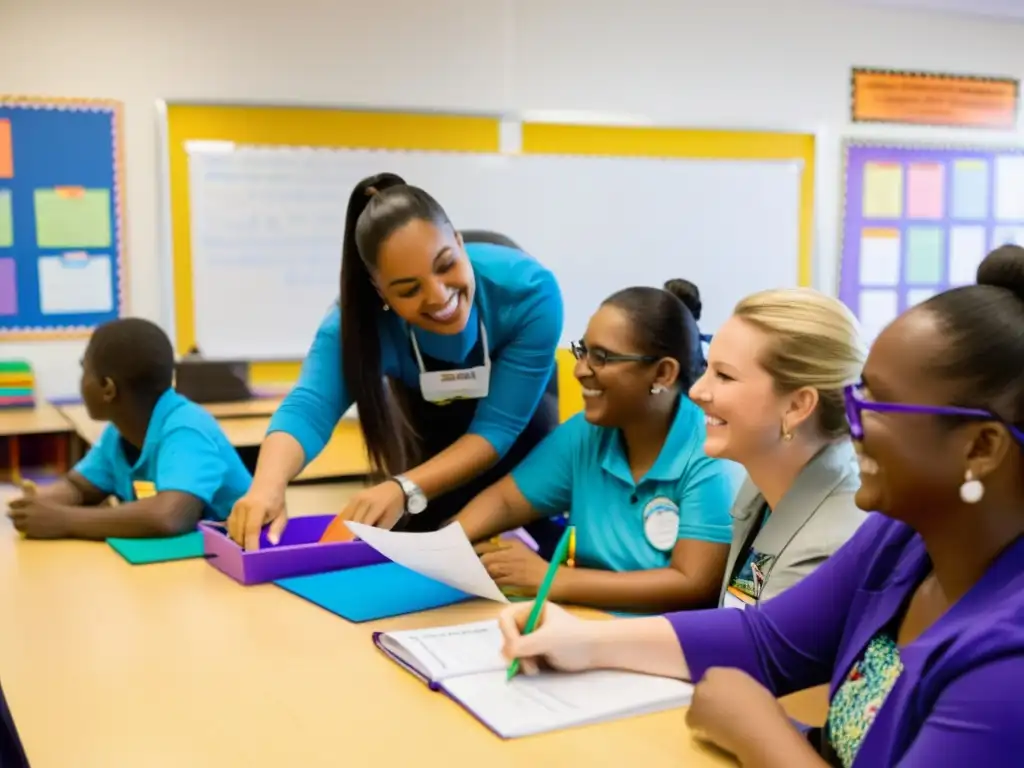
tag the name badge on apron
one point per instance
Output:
(661, 523)
(442, 387)
(144, 489)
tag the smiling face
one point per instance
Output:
(744, 412)
(618, 390)
(424, 275)
(912, 464)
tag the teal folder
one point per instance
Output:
(144, 551)
(373, 592)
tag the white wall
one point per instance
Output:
(725, 64)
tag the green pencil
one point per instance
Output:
(542, 594)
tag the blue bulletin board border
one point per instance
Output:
(81, 148)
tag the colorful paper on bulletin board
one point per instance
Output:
(71, 217)
(6, 219)
(924, 98)
(62, 205)
(919, 220)
(6, 150)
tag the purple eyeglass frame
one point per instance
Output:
(855, 404)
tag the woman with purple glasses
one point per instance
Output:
(918, 622)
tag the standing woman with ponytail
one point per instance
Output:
(447, 350)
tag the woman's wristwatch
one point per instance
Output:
(415, 499)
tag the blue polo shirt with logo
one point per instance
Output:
(582, 468)
(184, 450)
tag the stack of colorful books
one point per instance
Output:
(17, 384)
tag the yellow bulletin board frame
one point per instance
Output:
(295, 126)
(555, 138)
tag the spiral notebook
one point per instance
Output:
(465, 662)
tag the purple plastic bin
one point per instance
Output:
(299, 552)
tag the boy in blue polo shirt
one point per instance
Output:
(163, 457)
(651, 510)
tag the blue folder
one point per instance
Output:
(373, 592)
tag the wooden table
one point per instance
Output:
(107, 665)
(43, 419)
(344, 455)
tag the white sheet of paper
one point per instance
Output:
(880, 259)
(445, 555)
(877, 310)
(1007, 235)
(966, 250)
(1010, 187)
(68, 285)
(918, 295)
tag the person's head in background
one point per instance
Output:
(128, 365)
(400, 255)
(640, 351)
(773, 389)
(486, 236)
(939, 419)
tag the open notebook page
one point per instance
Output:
(552, 701)
(441, 653)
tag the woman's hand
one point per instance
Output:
(560, 640)
(513, 564)
(733, 711)
(380, 506)
(251, 513)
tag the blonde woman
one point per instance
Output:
(772, 396)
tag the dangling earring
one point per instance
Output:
(787, 436)
(972, 489)
(386, 307)
(657, 389)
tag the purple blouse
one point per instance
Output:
(960, 697)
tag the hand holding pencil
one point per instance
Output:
(526, 632)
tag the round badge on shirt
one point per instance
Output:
(661, 523)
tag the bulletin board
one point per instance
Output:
(62, 229)
(918, 219)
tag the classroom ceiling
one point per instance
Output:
(1004, 9)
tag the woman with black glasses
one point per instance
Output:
(649, 508)
(917, 623)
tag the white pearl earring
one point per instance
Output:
(657, 389)
(972, 489)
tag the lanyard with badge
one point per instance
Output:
(442, 387)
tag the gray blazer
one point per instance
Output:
(815, 517)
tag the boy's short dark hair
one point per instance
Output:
(136, 354)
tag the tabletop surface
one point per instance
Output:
(106, 665)
(43, 419)
(344, 455)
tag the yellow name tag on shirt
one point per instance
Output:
(144, 489)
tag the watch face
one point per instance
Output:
(416, 504)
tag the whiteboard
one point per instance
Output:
(267, 226)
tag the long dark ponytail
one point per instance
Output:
(377, 207)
